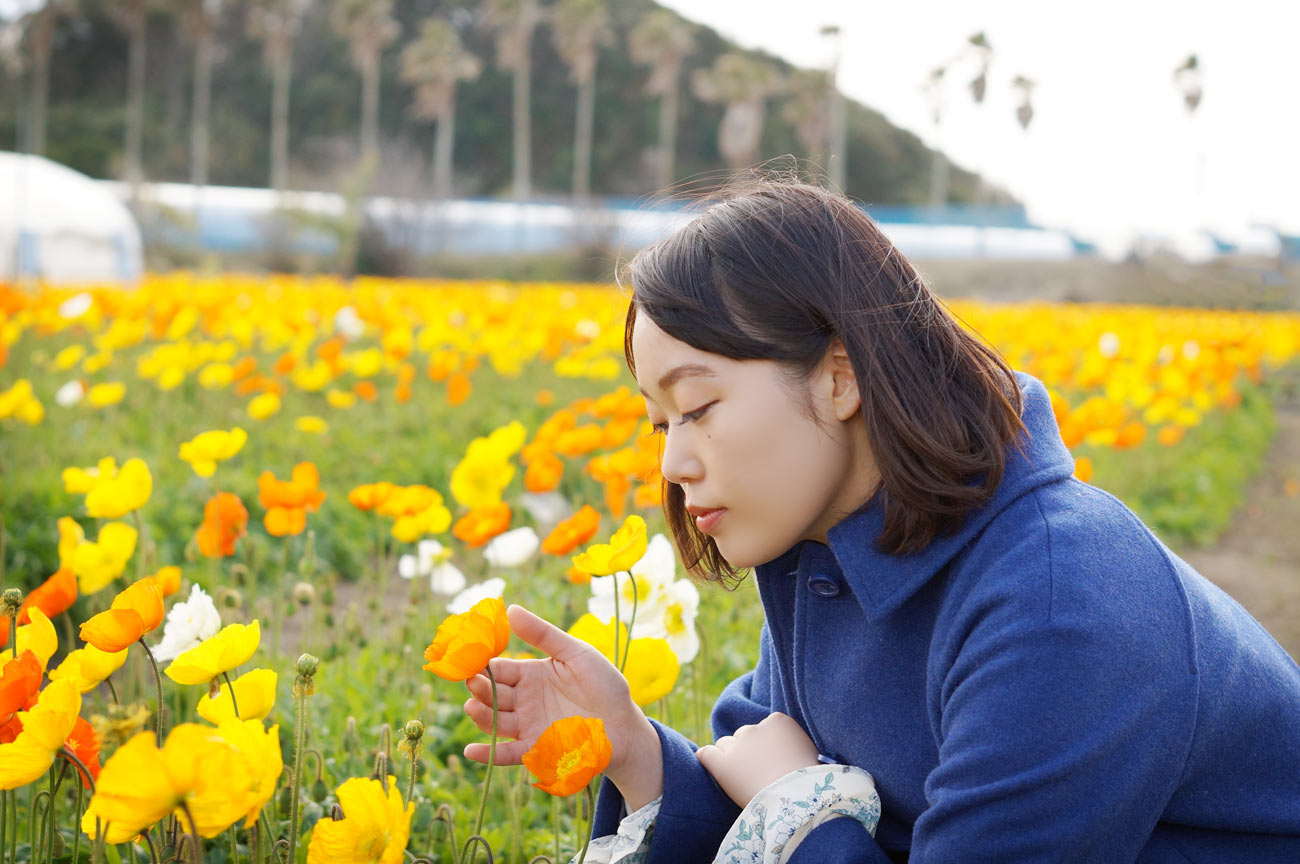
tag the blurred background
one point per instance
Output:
(1024, 151)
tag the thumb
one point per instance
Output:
(542, 634)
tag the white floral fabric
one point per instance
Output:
(770, 829)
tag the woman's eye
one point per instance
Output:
(660, 428)
(692, 416)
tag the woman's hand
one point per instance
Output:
(757, 756)
(574, 679)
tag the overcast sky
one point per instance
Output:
(1111, 150)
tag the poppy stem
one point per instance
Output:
(492, 757)
(618, 621)
(157, 680)
(233, 703)
(636, 596)
(112, 690)
(591, 815)
(77, 832)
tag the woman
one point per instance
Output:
(1027, 673)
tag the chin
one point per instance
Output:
(744, 556)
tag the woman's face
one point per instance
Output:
(759, 474)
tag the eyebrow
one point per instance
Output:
(677, 373)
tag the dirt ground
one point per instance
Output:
(1257, 560)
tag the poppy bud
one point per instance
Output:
(12, 602)
(319, 791)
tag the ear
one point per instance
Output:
(845, 398)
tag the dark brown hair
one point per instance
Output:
(777, 271)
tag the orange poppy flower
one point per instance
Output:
(284, 365)
(1131, 434)
(287, 502)
(168, 580)
(135, 612)
(482, 524)
(20, 681)
(366, 390)
(370, 495)
(225, 520)
(616, 489)
(544, 473)
(648, 496)
(402, 393)
(572, 532)
(1083, 469)
(84, 744)
(245, 367)
(466, 642)
(578, 577)
(1168, 436)
(458, 389)
(569, 755)
(52, 596)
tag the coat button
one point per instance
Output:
(824, 586)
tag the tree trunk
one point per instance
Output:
(281, 74)
(42, 39)
(135, 102)
(202, 101)
(837, 143)
(582, 137)
(668, 134)
(370, 108)
(442, 151)
(522, 127)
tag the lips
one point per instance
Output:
(707, 518)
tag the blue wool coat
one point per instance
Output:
(1048, 683)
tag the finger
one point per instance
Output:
(708, 756)
(507, 721)
(542, 634)
(742, 731)
(506, 670)
(481, 689)
(508, 752)
(724, 743)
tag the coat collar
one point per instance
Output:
(882, 583)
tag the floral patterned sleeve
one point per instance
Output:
(770, 828)
(631, 844)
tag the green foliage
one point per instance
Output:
(87, 103)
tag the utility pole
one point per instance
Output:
(837, 131)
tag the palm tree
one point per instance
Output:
(40, 29)
(434, 64)
(933, 89)
(1025, 87)
(743, 85)
(276, 23)
(579, 28)
(369, 27)
(201, 17)
(662, 41)
(983, 56)
(514, 22)
(132, 15)
(808, 110)
(1188, 78)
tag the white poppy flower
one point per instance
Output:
(348, 324)
(70, 394)
(188, 623)
(76, 306)
(647, 583)
(432, 559)
(679, 620)
(546, 508)
(465, 600)
(512, 548)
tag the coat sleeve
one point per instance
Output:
(1063, 731)
(695, 813)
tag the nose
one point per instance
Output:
(679, 462)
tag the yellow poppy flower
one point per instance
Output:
(99, 563)
(624, 549)
(431, 520)
(106, 393)
(480, 481)
(70, 536)
(374, 829)
(206, 449)
(233, 645)
(136, 611)
(651, 669)
(141, 784)
(38, 635)
(89, 666)
(45, 728)
(254, 694)
(264, 406)
(311, 425)
(261, 747)
(117, 495)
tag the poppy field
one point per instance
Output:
(257, 531)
